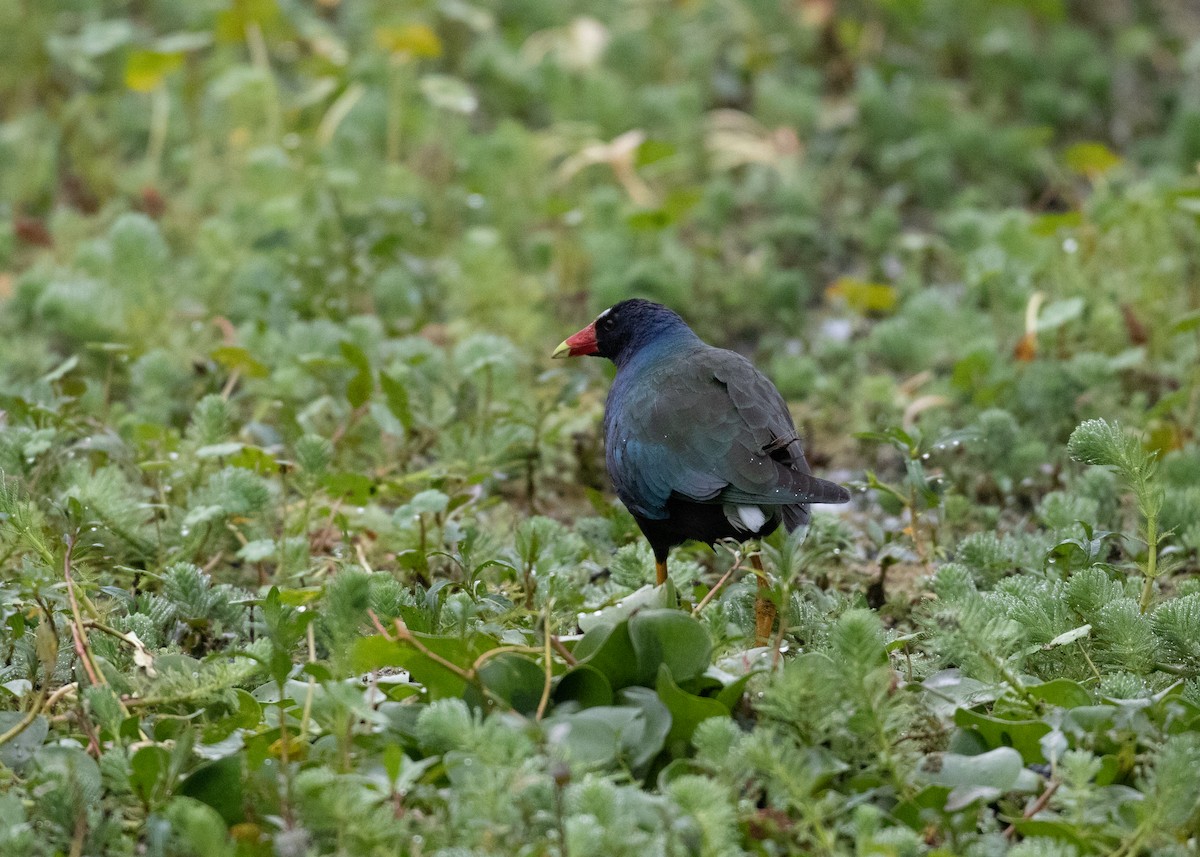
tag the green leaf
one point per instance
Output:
(1022, 735)
(219, 785)
(974, 778)
(360, 386)
(608, 649)
(687, 710)
(439, 680)
(1062, 692)
(591, 738)
(17, 752)
(585, 685)
(199, 826)
(669, 637)
(354, 488)
(146, 768)
(642, 744)
(1050, 829)
(396, 396)
(73, 769)
(730, 695)
(515, 678)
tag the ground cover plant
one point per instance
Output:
(306, 547)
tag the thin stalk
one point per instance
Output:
(395, 108)
(1151, 562)
(262, 61)
(160, 114)
(1010, 678)
(544, 701)
(708, 596)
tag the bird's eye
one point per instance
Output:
(608, 322)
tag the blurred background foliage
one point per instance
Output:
(280, 280)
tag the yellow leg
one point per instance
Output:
(764, 607)
(660, 567)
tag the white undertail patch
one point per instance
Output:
(752, 518)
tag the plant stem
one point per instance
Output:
(1151, 562)
(1012, 681)
(261, 59)
(395, 107)
(708, 596)
(160, 114)
(78, 635)
(544, 701)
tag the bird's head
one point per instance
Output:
(623, 330)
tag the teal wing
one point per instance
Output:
(709, 427)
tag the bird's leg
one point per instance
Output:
(764, 607)
(660, 568)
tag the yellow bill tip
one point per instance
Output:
(563, 350)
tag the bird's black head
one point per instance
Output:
(623, 330)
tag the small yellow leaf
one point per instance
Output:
(1091, 159)
(238, 359)
(233, 22)
(145, 71)
(862, 296)
(417, 41)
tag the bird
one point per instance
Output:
(699, 444)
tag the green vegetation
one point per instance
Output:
(305, 545)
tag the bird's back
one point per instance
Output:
(703, 425)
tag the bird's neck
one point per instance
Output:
(657, 344)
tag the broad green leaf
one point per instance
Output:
(354, 488)
(441, 681)
(360, 386)
(592, 737)
(687, 710)
(199, 826)
(609, 650)
(643, 743)
(75, 771)
(146, 769)
(585, 685)
(396, 395)
(730, 695)
(1023, 735)
(974, 778)
(1062, 692)
(17, 752)
(669, 637)
(1051, 829)
(219, 785)
(515, 678)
